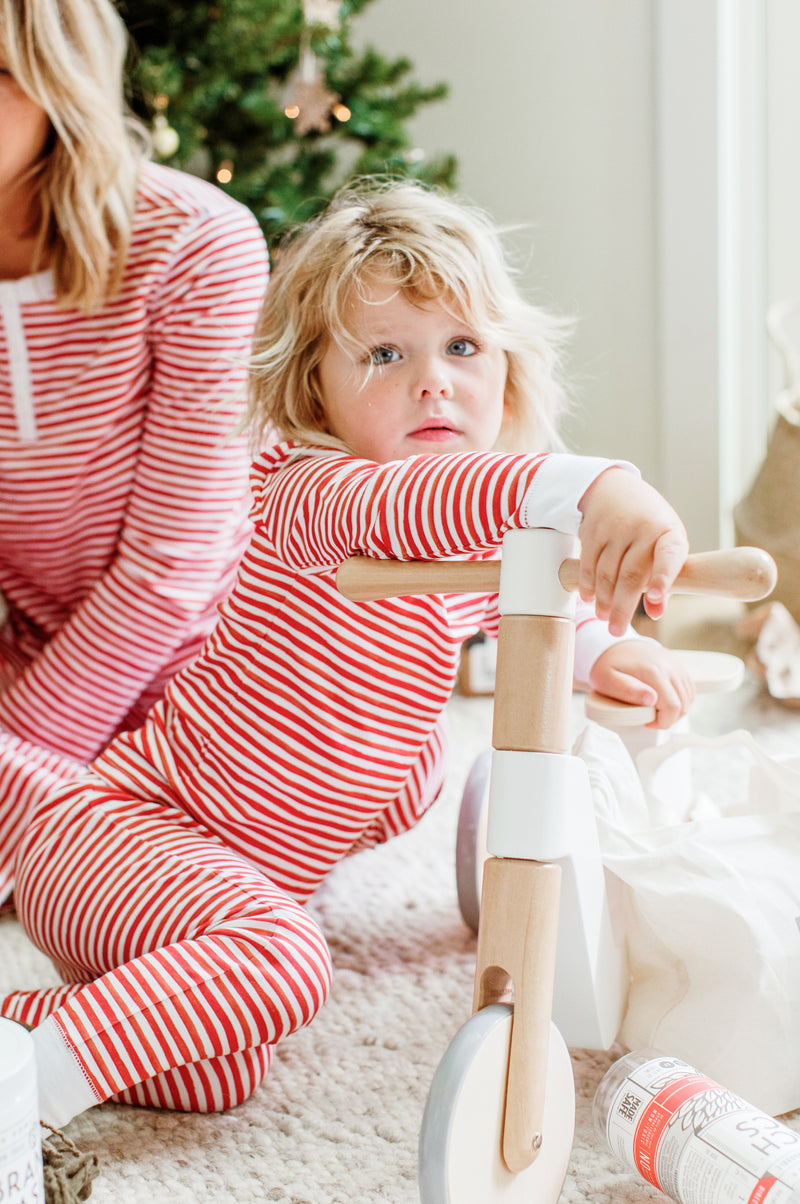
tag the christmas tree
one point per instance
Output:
(268, 98)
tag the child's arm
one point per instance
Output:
(644, 673)
(632, 544)
(318, 509)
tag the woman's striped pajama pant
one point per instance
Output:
(183, 963)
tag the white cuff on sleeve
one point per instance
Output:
(64, 1090)
(592, 639)
(561, 480)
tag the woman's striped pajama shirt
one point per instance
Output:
(123, 497)
(167, 885)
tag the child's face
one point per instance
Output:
(435, 386)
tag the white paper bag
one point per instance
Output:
(709, 905)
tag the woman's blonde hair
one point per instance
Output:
(433, 247)
(68, 57)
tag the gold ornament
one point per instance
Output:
(165, 139)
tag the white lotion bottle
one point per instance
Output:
(693, 1139)
(21, 1176)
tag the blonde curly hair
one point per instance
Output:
(433, 247)
(68, 56)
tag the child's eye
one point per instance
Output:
(383, 355)
(462, 347)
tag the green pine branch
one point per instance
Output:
(224, 67)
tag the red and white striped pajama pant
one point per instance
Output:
(183, 963)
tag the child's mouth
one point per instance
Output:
(435, 432)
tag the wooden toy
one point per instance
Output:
(711, 672)
(499, 1120)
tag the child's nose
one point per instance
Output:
(432, 381)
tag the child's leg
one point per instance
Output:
(28, 774)
(209, 1086)
(189, 954)
(32, 1007)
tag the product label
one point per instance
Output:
(700, 1143)
(21, 1160)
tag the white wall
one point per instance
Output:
(650, 148)
(551, 116)
(712, 260)
(783, 151)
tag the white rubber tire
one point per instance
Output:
(460, 1159)
(473, 818)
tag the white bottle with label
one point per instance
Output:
(20, 1136)
(693, 1139)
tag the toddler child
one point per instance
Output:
(394, 356)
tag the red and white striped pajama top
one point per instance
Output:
(123, 497)
(308, 727)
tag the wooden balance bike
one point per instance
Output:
(551, 972)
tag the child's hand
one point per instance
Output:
(632, 544)
(644, 673)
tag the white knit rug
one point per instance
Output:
(337, 1120)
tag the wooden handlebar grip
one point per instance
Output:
(744, 573)
(747, 574)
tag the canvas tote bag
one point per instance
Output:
(768, 516)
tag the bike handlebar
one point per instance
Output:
(747, 574)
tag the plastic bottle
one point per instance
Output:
(20, 1136)
(693, 1139)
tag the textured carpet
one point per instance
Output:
(337, 1120)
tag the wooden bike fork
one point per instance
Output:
(519, 901)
